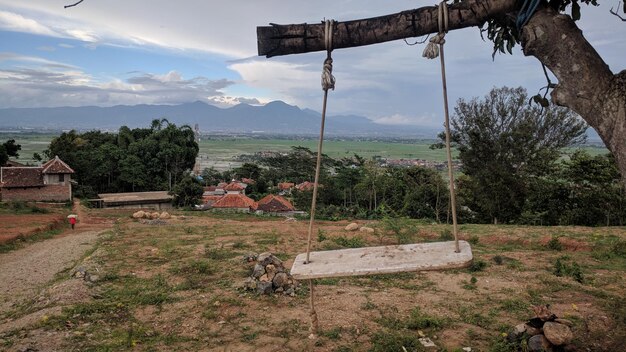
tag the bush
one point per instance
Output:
(554, 244)
(354, 242)
(477, 265)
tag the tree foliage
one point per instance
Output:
(502, 141)
(140, 159)
(187, 192)
(8, 149)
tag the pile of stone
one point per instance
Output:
(151, 215)
(354, 226)
(268, 275)
(544, 332)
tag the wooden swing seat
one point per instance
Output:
(382, 260)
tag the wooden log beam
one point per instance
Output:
(275, 40)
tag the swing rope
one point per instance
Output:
(328, 82)
(432, 50)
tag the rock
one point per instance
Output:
(352, 227)
(264, 288)
(532, 331)
(249, 283)
(154, 215)
(290, 291)
(516, 333)
(564, 322)
(80, 273)
(367, 229)
(165, 215)
(265, 278)
(539, 343)
(467, 349)
(93, 278)
(264, 258)
(280, 280)
(258, 271)
(270, 269)
(557, 334)
(426, 342)
(138, 215)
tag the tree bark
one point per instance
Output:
(586, 84)
(302, 38)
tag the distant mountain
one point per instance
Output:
(276, 117)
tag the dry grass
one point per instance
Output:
(175, 287)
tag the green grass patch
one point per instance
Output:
(345, 242)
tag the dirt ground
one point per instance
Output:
(177, 286)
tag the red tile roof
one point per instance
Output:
(285, 185)
(56, 166)
(305, 186)
(21, 177)
(248, 181)
(233, 186)
(235, 201)
(210, 199)
(274, 203)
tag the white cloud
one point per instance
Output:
(14, 22)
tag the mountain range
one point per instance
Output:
(275, 117)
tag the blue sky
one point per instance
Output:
(165, 52)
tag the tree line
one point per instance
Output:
(139, 159)
(513, 171)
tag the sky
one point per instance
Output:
(114, 52)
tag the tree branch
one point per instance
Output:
(302, 38)
(74, 4)
(614, 13)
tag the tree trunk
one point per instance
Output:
(586, 84)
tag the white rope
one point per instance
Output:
(328, 80)
(432, 48)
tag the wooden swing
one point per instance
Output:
(383, 259)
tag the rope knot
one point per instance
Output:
(432, 50)
(328, 80)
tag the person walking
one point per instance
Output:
(73, 221)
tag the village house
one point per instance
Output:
(305, 186)
(235, 202)
(235, 188)
(284, 188)
(274, 204)
(48, 182)
(157, 200)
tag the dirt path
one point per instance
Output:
(24, 271)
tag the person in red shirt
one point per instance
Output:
(72, 222)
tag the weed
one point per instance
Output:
(321, 235)
(219, 253)
(446, 235)
(563, 268)
(554, 244)
(470, 285)
(474, 239)
(384, 341)
(333, 334)
(477, 265)
(354, 242)
(418, 320)
(369, 305)
(239, 245)
(498, 260)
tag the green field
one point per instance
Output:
(221, 152)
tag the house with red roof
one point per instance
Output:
(306, 186)
(274, 204)
(48, 182)
(235, 202)
(235, 188)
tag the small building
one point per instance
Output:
(209, 200)
(235, 202)
(213, 191)
(305, 186)
(48, 182)
(235, 188)
(157, 200)
(274, 204)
